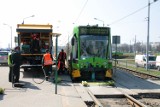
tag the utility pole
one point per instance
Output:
(68, 45)
(130, 47)
(148, 29)
(135, 46)
(147, 48)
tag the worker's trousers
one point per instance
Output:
(48, 70)
(14, 73)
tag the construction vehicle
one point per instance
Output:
(33, 40)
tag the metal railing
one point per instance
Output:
(130, 64)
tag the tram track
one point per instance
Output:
(139, 74)
(123, 100)
(149, 99)
(106, 101)
(112, 100)
(127, 99)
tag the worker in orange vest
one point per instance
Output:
(47, 62)
(61, 61)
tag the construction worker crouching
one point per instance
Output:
(47, 62)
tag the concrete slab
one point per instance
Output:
(127, 91)
(70, 96)
(103, 90)
(83, 93)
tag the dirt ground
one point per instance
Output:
(151, 102)
(116, 102)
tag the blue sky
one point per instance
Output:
(63, 13)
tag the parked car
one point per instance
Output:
(158, 63)
(4, 57)
(141, 60)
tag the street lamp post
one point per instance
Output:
(148, 34)
(26, 18)
(11, 33)
(100, 20)
(148, 29)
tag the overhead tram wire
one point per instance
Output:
(70, 36)
(78, 17)
(81, 11)
(129, 15)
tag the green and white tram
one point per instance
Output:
(90, 57)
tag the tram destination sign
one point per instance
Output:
(94, 31)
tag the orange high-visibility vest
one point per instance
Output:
(47, 59)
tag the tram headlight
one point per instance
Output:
(83, 58)
(110, 61)
(105, 64)
(81, 65)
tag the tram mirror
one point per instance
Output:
(71, 56)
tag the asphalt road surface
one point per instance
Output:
(33, 95)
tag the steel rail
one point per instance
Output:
(140, 73)
(133, 101)
(97, 103)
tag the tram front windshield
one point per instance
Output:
(93, 46)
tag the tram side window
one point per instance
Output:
(75, 49)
